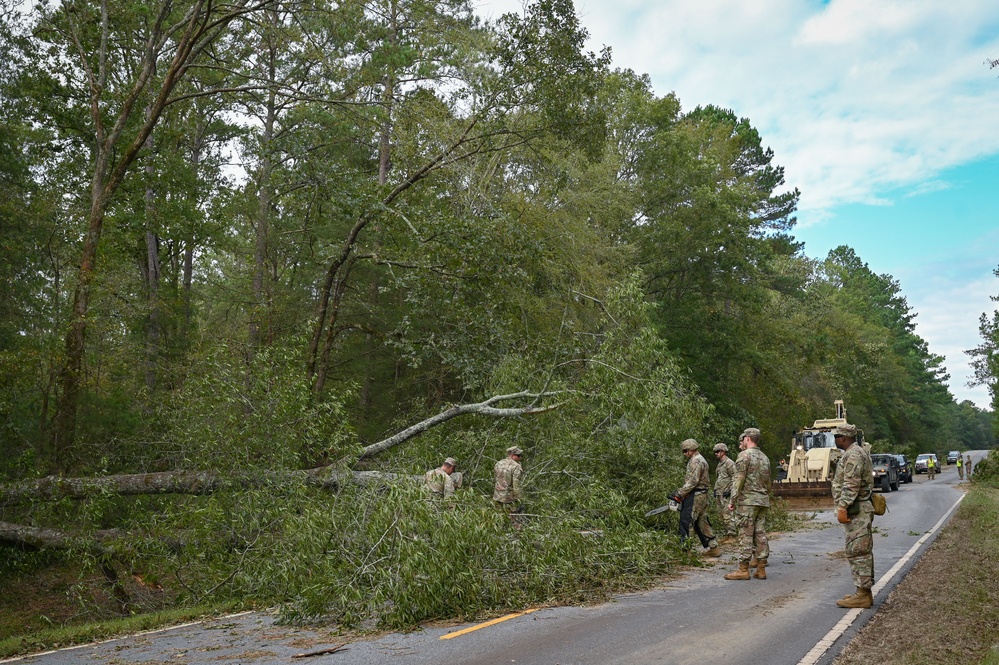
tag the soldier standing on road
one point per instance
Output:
(852, 487)
(751, 503)
(508, 492)
(931, 468)
(439, 480)
(960, 467)
(693, 498)
(967, 463)
(723, 491)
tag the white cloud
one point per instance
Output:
(860, 100)
(855, 97)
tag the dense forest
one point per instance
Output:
(288, 253)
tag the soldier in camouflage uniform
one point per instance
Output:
(751, 502)
(723, 491)
(439, 480)
(852, 487)
(693, 498)
(508, 492)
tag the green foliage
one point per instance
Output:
(232, 414)
(987, 469)
(408, 559)
(985, 358)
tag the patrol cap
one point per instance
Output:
(450, 461)
(720, 447)
(689, 444)
(514, 450)
(846, 430)
(751, 432)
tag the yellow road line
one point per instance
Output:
(486, 624)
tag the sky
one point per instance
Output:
(882, 112)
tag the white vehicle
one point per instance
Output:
(922, 459)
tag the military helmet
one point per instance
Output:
(689, 444)
(846, 430)
(720, 447)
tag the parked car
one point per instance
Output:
(904, 469)
(952, 456)
(885, 471)
(921, 462)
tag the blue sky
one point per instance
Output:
(883, 114)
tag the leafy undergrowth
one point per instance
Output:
(946, 609)
(366, 568)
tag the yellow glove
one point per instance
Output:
(841, 515)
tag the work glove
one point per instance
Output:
(677, 497)
(841, 515)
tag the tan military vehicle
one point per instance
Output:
(813, 458)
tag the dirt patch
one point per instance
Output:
(61, 594)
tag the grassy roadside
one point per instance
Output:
(946, 610)
(57, 637)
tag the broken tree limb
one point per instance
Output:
(482, 408)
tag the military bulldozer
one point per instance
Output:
(812, 462)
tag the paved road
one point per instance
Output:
(700, 618)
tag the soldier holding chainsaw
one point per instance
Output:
(693, 499)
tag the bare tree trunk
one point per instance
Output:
(152, 274)
(201, 25)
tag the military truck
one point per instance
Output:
(813, 458)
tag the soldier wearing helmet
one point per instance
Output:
(693, 498)
(440, 481)
(751, 503)
(724, 471)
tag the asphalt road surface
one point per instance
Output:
(789, 618)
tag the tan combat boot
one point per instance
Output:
(862, 599)
(753, 561)
(761, 569)
(741, 574)
(714, 551)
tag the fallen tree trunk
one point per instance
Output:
(40, 538)
(55, 488)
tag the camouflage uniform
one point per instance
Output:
(723, 492)
(751, 499)
(852, 487)
(694, 509)
(508, 491)
(967, 463)
(439, 483)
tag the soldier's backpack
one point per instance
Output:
(880, 503)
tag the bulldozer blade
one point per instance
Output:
(805, 489)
